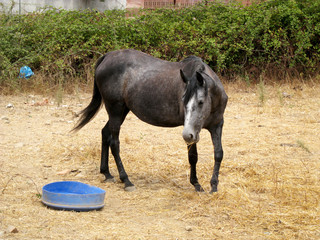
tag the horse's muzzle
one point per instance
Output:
(190, 137)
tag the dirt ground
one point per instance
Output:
(269, 184)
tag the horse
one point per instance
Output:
(160, 93)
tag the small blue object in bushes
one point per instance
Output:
(25, 72)
(71, 195)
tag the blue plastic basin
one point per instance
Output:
(71, 195)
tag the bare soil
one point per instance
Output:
(269, 184)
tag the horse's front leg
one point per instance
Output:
(193, 159)
(216, 133)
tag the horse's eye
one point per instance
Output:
(200, 103)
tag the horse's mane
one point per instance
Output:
(191, 65)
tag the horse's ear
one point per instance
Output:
(184, 78)
(200, 78)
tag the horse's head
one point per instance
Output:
(197, 106)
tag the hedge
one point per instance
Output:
(234, 40)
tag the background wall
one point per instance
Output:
(24, 6)
(106, 4)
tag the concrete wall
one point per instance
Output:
(106, 4)
(25, 6)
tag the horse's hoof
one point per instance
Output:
(111, 180)
(213, 190)
(198, 188)
(130, 188)
(201, 190)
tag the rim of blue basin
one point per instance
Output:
(73, 195)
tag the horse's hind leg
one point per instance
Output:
(116, 118)
(106, 140)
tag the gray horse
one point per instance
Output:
(161, 93)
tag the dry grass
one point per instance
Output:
(269, 185)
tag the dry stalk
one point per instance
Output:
(20, 175)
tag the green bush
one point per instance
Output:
(275, 35)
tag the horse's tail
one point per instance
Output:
(94, 106)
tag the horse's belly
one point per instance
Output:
(158, 119)
(154, 105)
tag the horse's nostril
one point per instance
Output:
(191, 136)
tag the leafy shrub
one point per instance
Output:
(275, 35)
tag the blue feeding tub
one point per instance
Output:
(71, 195)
